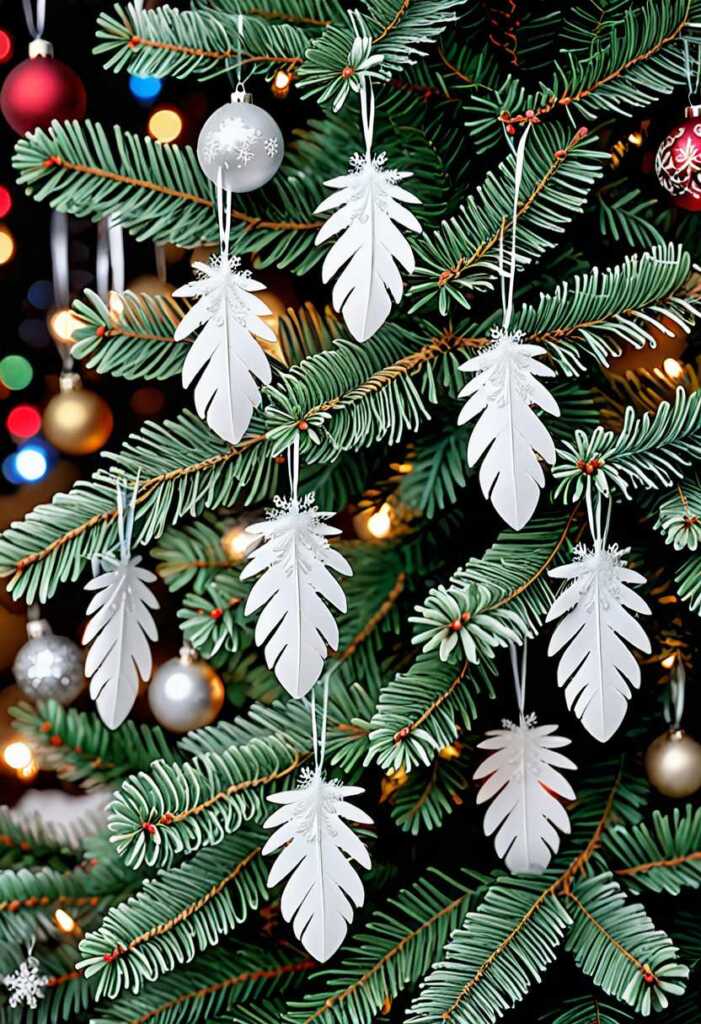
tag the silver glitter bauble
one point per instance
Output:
(185, 693)
(243, 142)
(49, 667)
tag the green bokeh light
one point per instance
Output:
(15, 372)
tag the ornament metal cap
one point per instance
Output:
(37, 628)
(239, 95)
(692, 111)
(40, 48)
(69, 382)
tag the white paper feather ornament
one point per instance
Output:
(523, 781)
(509, 437)
(294, 566)
(322, 885)
(121, 626)
(226, 353)
(597, 668)
(367, 216)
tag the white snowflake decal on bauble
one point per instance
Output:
(234, 139)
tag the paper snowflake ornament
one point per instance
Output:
(225, 356)
(295, 582)
(523, 781)
(508, 436)
(26, 985)
(595, 633)
(368, 213)
(317, 847)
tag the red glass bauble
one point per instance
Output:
(39, 90)
(678, 161)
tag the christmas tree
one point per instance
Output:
(496, 393)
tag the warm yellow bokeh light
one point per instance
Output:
(62, 325)
(165, 125)
(64, 921)
(7, 244)
(237, 542)
(379, 524)
(281, 84)
(673, 368)
(17, 755)
(27, 773)
(668, 662)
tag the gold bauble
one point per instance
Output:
(76, 420)
(673, 764)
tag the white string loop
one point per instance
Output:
(35, 22)
(507, 296)
(223, 214)
(367, 114)
(519, 674)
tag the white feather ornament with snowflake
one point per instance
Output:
(523, 781)
(368, 213)
(316, 848)
(509, 437)
(295, 624)
(597, 667)
(120, 623)
(225, 355)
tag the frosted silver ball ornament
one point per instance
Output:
(49, 667)
(185, 693)
(243, 142)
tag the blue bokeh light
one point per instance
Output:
(27, 465)
(145, 87)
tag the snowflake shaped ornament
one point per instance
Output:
(26, 984)
(596, 630)
(509, 438)
(523, 781)
(368, 213)
(317, 848)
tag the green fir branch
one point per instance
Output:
(400, 942)
(664, 856)
(617, 945)
(629, 63)
(215, 983)
(179, 44)
(79, 748)
(184, 910)
(155, 816)
(651, 451)
(461, 258)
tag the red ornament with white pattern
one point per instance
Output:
(678, 161)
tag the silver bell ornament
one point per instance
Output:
(673, 760)
(49, 667)
(185, 693)
(240, 146)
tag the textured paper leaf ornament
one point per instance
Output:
(225, 354)
(322, 885)
(508, 436)
(595, 633)
(368, 213)
(121, 627)
(295, 583)
(523, 781)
